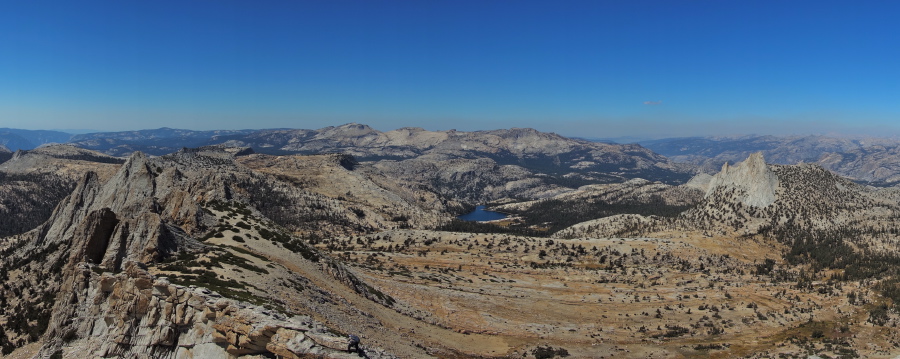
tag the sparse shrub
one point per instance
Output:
(549, 352)
(766, 267)
(878, 315)
(713, 346)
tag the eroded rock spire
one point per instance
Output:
(753, 180)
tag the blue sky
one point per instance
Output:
(578, 68)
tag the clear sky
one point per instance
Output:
(580, 68)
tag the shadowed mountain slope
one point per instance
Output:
(5, 154)
(17, 139)
(33, 182)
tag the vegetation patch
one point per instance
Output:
(458, 225)
(548, 352)
(226, 287)
(230, 258)
(388, 300)
(711, 346)
(558, 214)
(244, 251)
(828, 250)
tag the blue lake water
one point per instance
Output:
(479, 214)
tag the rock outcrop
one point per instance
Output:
(35, 181)
(133, 314)
(700, 181)
(83, 275)
(754, 196)
(752, 178)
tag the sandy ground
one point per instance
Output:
(25, 352)
(684, 293)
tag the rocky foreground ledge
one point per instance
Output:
(133, 314)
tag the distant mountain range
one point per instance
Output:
(864, 159)
(533, 150)
(868, 160)
(782, 150)
(16, 139)
(156, 142)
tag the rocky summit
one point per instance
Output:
(229, 250)
(861, 158)
(752, 178)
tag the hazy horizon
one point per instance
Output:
(617, 139)
(650, 69)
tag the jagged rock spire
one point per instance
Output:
(753, 179)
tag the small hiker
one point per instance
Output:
(353, 346)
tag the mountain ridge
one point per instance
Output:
(866, 159)
(18, 139)
(220, 250)
(96, 249)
